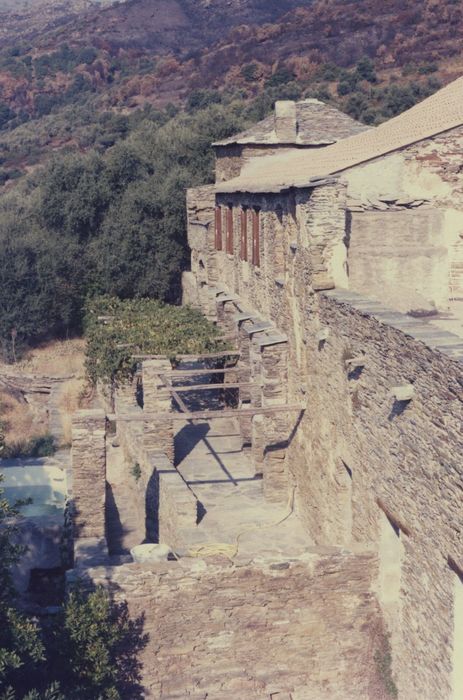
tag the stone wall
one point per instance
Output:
(367, 467)
(89, 473)
(295, 630)
(231, 159)
(169, 506)
(361, 452)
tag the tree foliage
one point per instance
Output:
(87, 652)
(111, 223)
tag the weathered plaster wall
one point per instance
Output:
(399, 188)
(308, 628)
(401, 257)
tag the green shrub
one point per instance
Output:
(428, 68)
(199, 99)
(281, 76)
(89, 651)
(365, 70)
(136, 472)
(249, 72)
(36, 447)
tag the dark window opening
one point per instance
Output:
(218, 228)
(256, 237)
(229, 230)
(244, 234)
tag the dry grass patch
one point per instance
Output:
(17, 419)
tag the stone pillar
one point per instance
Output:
(88, 457)
(226, 316)
(258, 443)
(277, 426)
(157, 398)
(322, 226)
(244, 375)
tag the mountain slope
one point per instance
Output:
(57, 56)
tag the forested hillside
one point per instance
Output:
(107, 112)
(111, 223)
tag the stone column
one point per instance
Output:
(226, 316)
(157, 398)
(277, 426)
(322, 225)
(88, 457)
(244, 375)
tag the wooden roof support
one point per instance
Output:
(177, 373)
(204, 387)
(198, 356)
(207, 415)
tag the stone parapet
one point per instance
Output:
(396, 457)
(306, 628)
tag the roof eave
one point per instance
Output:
(255, 188)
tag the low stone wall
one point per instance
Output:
(170, 506)
(178, 507)
(289, 630)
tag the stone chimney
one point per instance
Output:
(285, 121)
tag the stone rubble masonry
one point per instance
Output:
(274, 364)
(356, 451)
(89, 473)
(232, 159)
(169, 505)
(177, 505)
(158, 434)
(405, 455)
(309, 628)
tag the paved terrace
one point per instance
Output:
(221, 475)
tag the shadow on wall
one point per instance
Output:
(115, 530)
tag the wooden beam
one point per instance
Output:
(197, 356)
(123, 346)
(177, 373)
(207, 415)
(203, 387)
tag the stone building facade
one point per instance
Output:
(344, 268)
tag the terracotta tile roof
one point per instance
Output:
(440, 112)
(318, 124)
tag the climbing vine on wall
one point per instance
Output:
(116, 330)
